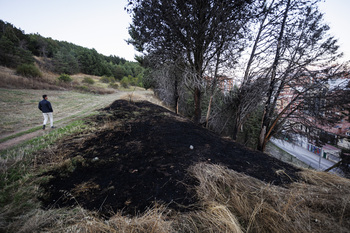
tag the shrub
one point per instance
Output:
(133, 81)
(28, 70)
(106, 79)
(83, 88)
(113, 85)
(65, 78)
(125, 82)
(88, 80)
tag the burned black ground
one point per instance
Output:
(140, 154)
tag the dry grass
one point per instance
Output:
(80, 220)
(214, 218)
(9, 79)
(154, 220)
(139, 94)
(320, 204)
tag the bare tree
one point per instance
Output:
(301, 48)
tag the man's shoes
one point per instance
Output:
(52, 127)
(43, 127)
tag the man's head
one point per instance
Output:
(44, 96)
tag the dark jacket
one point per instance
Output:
(45, 106)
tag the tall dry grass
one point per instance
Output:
(319, 203)
(79, 220)
(8, 79)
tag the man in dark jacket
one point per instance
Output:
(46, 108)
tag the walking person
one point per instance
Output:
(46, 108)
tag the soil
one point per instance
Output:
(139, 155)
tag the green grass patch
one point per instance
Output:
(27, 148)
(20, 134)
(19, 178)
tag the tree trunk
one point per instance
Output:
(269, 108)
(197, 106)
(235, 132)
(208, 112)
(261, 143)
(246, 78)
(213, 88)
(176, 97)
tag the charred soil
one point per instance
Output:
(139, 154)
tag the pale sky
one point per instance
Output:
(337, 15)
(102, 24)
(99, 24)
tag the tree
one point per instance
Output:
(250, 93)
(13, 51)
(301, 50)
(65, 62)
(192, 31)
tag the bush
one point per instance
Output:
(125, 82)
(83, 88)
(113, 85)
(88, 80)
(65, 78)
(106, 79)
(28, 70)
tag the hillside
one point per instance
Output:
(138, 170)
(18, 50)
(131, 168)
(142, 156)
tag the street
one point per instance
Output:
(304, 155)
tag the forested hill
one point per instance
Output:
(18, 48)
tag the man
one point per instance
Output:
(45, 107)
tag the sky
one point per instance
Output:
(99, 24)
(103, 24)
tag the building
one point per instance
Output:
(224, 83)
(333, 137)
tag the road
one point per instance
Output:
(304, 155)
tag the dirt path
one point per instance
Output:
(80, 112)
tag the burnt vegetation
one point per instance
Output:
(140, 154)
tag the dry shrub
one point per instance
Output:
(261, 207)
